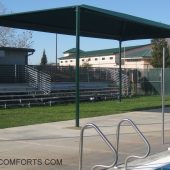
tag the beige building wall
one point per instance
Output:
(109, 61)
(138, 64)
(68, 62)
(102, 61)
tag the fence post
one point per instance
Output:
(15, 73)
(163, 98)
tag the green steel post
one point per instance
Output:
(56, 50)
(120, 71)
(77, 65)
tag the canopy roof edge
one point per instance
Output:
(94, 22)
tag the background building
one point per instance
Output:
(11, 56)
(132, 57)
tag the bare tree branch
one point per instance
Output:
(10, 37)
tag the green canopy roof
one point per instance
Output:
(94, 22)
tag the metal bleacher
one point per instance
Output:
(35, 98)
(36, 85)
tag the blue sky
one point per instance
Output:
(157, 10)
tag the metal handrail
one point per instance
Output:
(38, 79)
(140, 134)
(91, 125)
(115, 78)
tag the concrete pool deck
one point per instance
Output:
(60, 140)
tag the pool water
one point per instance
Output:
(165, 167)
(163, 163)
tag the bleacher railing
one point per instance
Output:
(38, 79)
(114, 75)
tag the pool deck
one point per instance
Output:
(60, 140)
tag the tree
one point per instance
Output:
(10, 37)
(86, 65)
(157, 52)
(43, 59)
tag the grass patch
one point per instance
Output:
(34, 115)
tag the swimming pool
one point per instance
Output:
(166, 167)
(160, 164)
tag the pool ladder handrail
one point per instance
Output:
(91, 125)
(140, 134)
(116, 151)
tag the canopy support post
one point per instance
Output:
(77, 65)
(163, 98)
(120, 70)
(56, 50)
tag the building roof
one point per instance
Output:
(111, 51)
(95, 22)
(17, 49)
(106, 52)
(72, 50)
(143, 53)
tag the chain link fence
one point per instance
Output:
(149, 81)
(134, 81)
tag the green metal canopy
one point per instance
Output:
(94, 22)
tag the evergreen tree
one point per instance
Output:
(157, 53)
(43, 59)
